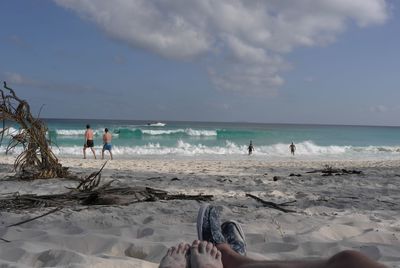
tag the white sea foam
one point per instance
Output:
(380, 149)
(309, 148)
(15, 151)
(155, 132)
(10, 131)
(70, 132)
(194, 132)
(184, 148)
(161, 132)
(305, 149)
(75, 132)
(187, 131)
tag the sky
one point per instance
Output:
(268, 61)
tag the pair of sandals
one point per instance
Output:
(209, 228)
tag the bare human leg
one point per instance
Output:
(209, 229)
(94, 153)
(344, 259)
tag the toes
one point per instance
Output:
(169, 252)
(194, 249)
(209, 247)
(172, 250)
(196, 243)
(214, 252)
(186, 248)
(181, 248)
(203, 246)
(218, 256)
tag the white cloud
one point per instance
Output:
(245, 41)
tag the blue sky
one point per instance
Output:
(326, 62)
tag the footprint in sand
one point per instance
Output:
(148, 220)
(145, 232)
(55, 257)
(135, 252)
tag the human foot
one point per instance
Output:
(176, 257)
(205, 255)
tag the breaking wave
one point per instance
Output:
(181, 148)
(135, 132)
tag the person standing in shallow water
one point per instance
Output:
(292, 148)
(107, 143)
(88, 142)
(250, 148)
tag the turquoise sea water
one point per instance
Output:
(208, 140)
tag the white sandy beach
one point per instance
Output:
(334, 213)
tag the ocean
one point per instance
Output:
(210, 140)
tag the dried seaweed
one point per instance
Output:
(101, 196)
(88, 192)
(37, 160)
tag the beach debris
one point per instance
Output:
(37, 160)
(89, 192)
(92, 181)
(154, 178)
(34, 218)
(274, 205)
(294, 175)
(29, 220)
(330, 171)
(101, 196)
(275, 178)
(222, 179)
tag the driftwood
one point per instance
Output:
(329, 171)
(37, 160)
(90, 192)
(111, 196)
(92, 181)
(29, 220)
(103, 196)
(274, 205)
(34, 218)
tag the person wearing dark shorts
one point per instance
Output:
(88, 142)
